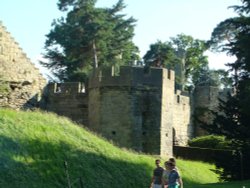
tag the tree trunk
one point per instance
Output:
(95, 55)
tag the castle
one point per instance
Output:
(136, 109)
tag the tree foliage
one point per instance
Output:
(190, 51)
(161, 54)
(182, 53)
(233, 118)
(210, 141)
(217, 78)
(87, 38)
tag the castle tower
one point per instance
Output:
(20, 81)
(134, 109)
(182, 123)
(205, 99)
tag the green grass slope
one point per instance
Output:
(34, 146)
(236, 184)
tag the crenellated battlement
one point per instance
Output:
(10, 49)
(22, 77)
(137, 108)
(66, 88)
(130, 76)
(68, 99)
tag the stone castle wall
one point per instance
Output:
(129, 110)
(205, 99)
(182, 124)
(20, 81)
(138, 109)
(68, 99)
(167, 113)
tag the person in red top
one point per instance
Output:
(157, 175)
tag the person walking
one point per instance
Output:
(174, 162)
(157, 175)
(165, 175)
(174, 179)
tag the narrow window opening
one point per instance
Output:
(169, 74)
(178, 99)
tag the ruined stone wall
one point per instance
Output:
(182, 125)
(167, 115)
(136, 109)
(147, 117)
(129, 110)
(68, 99)
(205, 99)
(21, 82)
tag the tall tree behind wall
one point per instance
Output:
(190, 51)
(233, 36)
(87, 38)
(182, 53)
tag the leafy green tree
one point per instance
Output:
(87, 38)
(160, 54)
(233, 118)
(184, 54)
(190, 51)
(209, 77)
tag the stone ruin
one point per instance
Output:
(136, 109)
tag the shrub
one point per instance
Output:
(4, 86)
(210, 141)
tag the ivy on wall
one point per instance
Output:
(4, 86)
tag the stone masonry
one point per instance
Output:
(21, 83)
(68, 99)
(138, 109)
(134, 108)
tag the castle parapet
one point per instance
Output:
(129, 76)
(64, 88)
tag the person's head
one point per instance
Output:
(170, 165)
(157, 162)
(166, 164)
(172, 160)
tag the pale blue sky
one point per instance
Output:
(30, 20)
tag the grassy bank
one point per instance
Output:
(35, 145)
(237, 184)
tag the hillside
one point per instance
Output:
(34, 146)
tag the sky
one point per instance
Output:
(29, 21)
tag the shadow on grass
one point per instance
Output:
(237, 184)
(33, 163)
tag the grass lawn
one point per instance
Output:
(35, 145)
(238, 184)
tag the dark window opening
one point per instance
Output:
(178, 98)
(169, 74)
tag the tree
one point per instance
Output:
(209, 77)
(190, 51)
(160, 54)
(87, 38)
(183, 54)
(233, 118)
